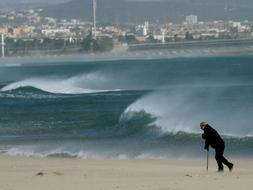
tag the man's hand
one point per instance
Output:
(206, 148)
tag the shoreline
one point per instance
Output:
(154, 53)
(19, 173)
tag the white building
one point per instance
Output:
(52, 32)
(145, 28)
(191, 19)
(2, 45)
(142, 30)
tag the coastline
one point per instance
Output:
(171, 49)
(61, 173)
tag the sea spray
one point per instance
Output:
(86, 83)
(178, 109)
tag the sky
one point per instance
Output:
(34, 1)
(49, 1)
(53, 1)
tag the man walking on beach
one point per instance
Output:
(213, 139)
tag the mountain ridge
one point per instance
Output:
(130, 11)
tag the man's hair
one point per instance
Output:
(203, 123)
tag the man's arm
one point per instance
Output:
(206, 145)
(204, 136)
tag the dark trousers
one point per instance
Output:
(220, 158)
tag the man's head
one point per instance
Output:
(203, 125)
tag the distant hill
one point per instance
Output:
(27, 4)
(134, 11)
(20, 5)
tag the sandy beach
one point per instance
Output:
(66, 174)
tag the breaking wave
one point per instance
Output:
(181, 109)
(125, 109)
(81, 84)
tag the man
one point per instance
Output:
(213, 139)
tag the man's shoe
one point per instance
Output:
(231, 167)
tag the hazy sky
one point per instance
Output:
(53, 1)
(34, 1)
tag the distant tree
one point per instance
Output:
(89, 44)
(9, 40)
(169, 39)
(59, 43)
(176, 38)
(47, 41)
(122, 39)
(151, 39)
(105, 44)
(188, 36)
(131, 39)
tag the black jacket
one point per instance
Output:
(212, 138)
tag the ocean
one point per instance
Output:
(125, 108)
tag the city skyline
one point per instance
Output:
(33, 28)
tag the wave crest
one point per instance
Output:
(181, 110)
(80, 84)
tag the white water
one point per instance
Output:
(80, 84)
(182, 111)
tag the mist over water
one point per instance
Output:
(181, 109)
(151, 107)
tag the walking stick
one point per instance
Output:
(207, 159)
